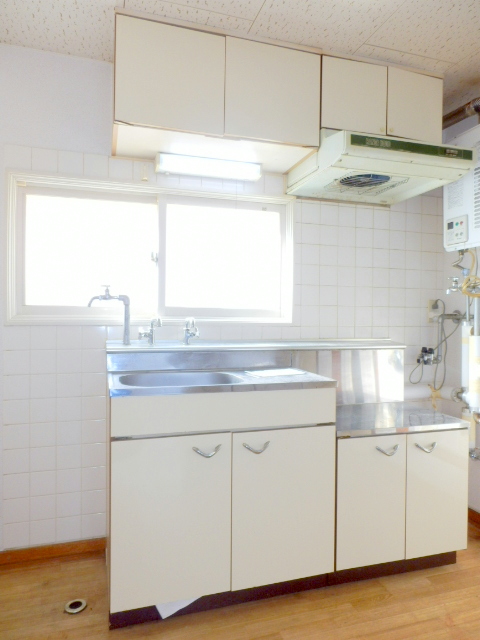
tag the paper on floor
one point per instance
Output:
(169, 608)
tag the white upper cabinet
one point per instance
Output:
(414, 106)
(176, 79)
(354, 96)
(169, 77)
(272, 93)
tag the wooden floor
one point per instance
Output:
(434, 604)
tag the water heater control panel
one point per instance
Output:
(461, 201)
(456, 230)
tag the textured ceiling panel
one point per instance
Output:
(440, 29)
(77, 27)
(405, 59)
(336, 25)
(247, 9)
(190, 13)
(230, 23)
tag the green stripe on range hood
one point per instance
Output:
(410, 147)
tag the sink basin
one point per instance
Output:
(178, 379)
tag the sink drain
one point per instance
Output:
(75, 606)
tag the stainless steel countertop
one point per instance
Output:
(360, 420)
(116, 346)
(247, 382)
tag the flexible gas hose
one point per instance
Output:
(471, 282)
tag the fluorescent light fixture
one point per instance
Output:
(208, 167)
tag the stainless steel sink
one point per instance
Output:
(178, 379)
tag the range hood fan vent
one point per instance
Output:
(364, 180)
(373, 184)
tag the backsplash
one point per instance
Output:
(359, 272)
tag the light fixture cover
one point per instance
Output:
(207, 167)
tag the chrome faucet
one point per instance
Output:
(150, 335)
(190, 330)
(455, 286)
(126, 314)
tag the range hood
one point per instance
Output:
(376, 169)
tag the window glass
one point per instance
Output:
(223, 258)
(73, 246)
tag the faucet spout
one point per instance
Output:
(126, 311)
(126, 318)
(150, 335)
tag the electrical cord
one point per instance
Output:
(443, 339)
(444, 360)
(420, 364)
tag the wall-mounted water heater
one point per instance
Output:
(461, 200)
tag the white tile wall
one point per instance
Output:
(360, 271)
(54, 434)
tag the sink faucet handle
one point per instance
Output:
(156, 322)
(190, 330)
(191, 326)
(107, 290)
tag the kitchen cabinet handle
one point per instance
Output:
(392, 453)
(247, 446)
(207, 455)
(424, 449)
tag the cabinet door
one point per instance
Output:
(437, 493)
(370, 501)
(283, 505)
(272, 93)
(354, 95)
(414, 106)
(170, 520)
(169, 77)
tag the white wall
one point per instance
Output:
(360, 272)
(61, 102)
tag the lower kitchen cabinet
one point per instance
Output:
(170, 519)
(184, 525)
(437, 495)
(406, 501)
(283, 504)
(370, 501)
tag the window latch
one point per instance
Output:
(154, 257)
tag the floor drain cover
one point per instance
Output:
(75, 606)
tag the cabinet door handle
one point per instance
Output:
(247, 446)
(392, 453)
(424, 449)
(207, 455)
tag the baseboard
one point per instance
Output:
(391, 568)
(474, 517)
(228, 598)
(79, 547)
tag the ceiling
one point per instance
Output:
(441, 36)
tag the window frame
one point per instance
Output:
(19, 183)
